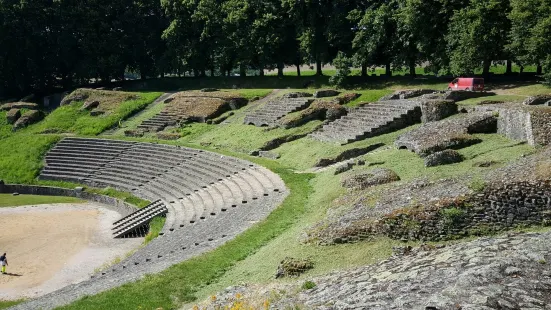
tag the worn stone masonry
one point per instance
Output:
(497, 208)
(506, 272)
(527, 123)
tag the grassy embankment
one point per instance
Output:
(8, 200)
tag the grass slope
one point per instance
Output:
(71, 119)
(8, 200)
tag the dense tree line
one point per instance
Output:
(53, 43)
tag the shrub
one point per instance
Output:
(307, 285)
(452, 216)
(477, 184)
(342, 64)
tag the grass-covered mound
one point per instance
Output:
(71, 118)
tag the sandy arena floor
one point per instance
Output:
(51, 246)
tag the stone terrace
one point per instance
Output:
(210, 199)
(276, 109)
(370, 120)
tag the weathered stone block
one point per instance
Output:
(268, 154)
(208, 90)
(89, 105)
(326, 93)
(444, 157)
(297, 95)
(367, 179)
(168, 135)
(435, 110)
(537, 100)
(27, 118)
(406, 94)
(13, 115)
(97, 112)
(343, 168)
(18, 105)
(292, 267)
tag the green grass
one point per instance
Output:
(124, 196)
(238, 137)
(70, 119)
(251, 93)
(155, 227)
(504, 98)
(4, 304)
(180, 282)
(8, 200)
(21, 156)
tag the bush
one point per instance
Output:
(342, 64)
(307, 285)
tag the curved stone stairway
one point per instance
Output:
(210, 198)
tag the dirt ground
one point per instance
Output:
(51, 246)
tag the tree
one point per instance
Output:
(531, 33)
(477, 35)
(375, 39)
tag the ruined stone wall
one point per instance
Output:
(522, 123)
(495, 209)
(540, 119)
(118, 205)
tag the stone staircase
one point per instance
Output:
(160, 121)
(136, 223)
(276, 109)
(370, 120)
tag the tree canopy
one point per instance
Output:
(47, 44)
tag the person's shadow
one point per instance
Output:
(12, 274)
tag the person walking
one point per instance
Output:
(3, 262)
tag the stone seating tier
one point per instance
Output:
(193, 184)
(276, 109)
(370, 120)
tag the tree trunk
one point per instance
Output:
(211, 72)
(195, 72)
(412, 68)
(364, 70)
(203, 72)
(388, 71)
(509, 67)
(280, 69)
(242, 71)
(261, 71)
(486, 67)
(539, 69)
(318, 68)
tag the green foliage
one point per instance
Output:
(477, 184)
(452, 216)
(21, 156)
(155, 227)
(477, 35)
(307, 285)
(343, 64)
(8, 200)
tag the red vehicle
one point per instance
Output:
(468, 84)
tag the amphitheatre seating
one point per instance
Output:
(192, 185)
(370, 120)
(276, 109)
(135, 223)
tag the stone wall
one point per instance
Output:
(435, 110)
(531, 124)
(495, 209)
(120, 206)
